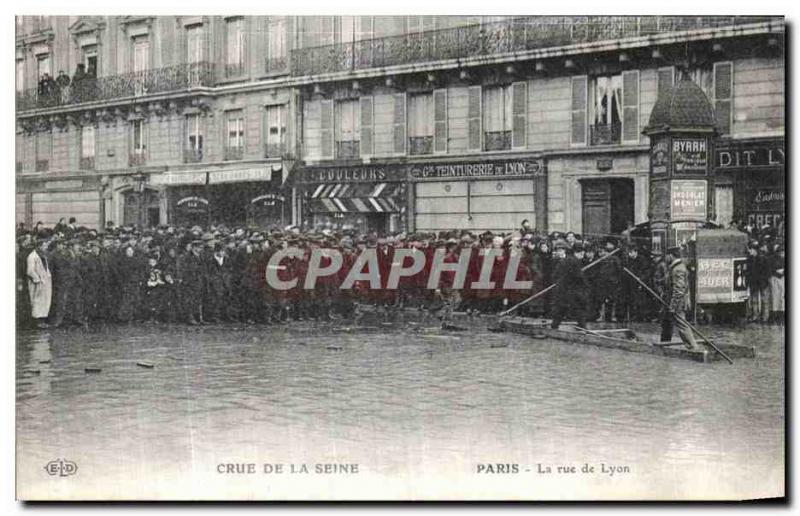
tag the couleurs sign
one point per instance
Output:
(353, 174)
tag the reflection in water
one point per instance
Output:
(399, 399)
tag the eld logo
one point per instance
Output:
(60, 467)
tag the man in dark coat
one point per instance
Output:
(607, 282)
(571, 294)
(218, 281)
(633, 299)
(191, 283)
(130, 273)
(678, 300)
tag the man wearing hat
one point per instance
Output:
(678, 300)
(191, 283)
(633, 299)
(218, 279)
(607, 282)
(571, 292)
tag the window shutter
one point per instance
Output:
(630, 106)
(579, 100)
(399, 123)
(366, 126)
(723, 93)
(666, 79)
(519, 93)
(474, 118)
(440, 121)
(326, 128)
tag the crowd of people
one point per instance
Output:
(73, 275)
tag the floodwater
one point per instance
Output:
(416, 408)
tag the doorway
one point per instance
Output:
(607, 206)
(142, 209)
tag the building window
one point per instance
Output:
(20, 75)
(20, 151)
(578, 110)
(276, 45)
(275, 131)
(723, 96)
(194, 44)
(138, 154)
(420, 124)
(234, 126)
(43, 66)
(347, 130)
(606, 110)
(234, 58)
(87, 136)
(193, 152)
(89, 60)
(44, 149)
(141, 53)
(497, 118)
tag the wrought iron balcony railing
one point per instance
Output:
(418, 145)
(136, 159)
(233, 153)
(348, 150)
(604, 134)
(159, 80)
(192, 155)
(497, 140)
(513, 35)
(274, 150)
(42, 165)
(87, 163)
(276, 65)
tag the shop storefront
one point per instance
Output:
(751, 181)
(370, 198)
(235, 197)
(50, 200)
(479, 195)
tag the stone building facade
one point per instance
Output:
(387, 123)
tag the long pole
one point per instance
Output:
(676, 316)
(551, 287)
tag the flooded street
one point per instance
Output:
(406, 402)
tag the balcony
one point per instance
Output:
(605, 134)
(42, 165)
(86, 163)
(497, 140)
(276, 65)
(192, 155)
(348, 150)
(137, 158)
(159, 80)
(233, 153)
(274, 150)
(418, 145)
(513, 35)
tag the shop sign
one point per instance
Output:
(267, 200)
(179, 178)
(750, 156)
(659, 156)
(690, 155)
(717, 280)
(478, 169)
(242, 175)
(193, 204)
(767, 199)
(353, 174)
(688, 199)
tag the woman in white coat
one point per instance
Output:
(40, 283)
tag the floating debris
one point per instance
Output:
(495, 329)
(453, 327)
(148, 365)
(92, 369)
(44, 361)
(35, 371)
(333, 348)
(499, 345)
